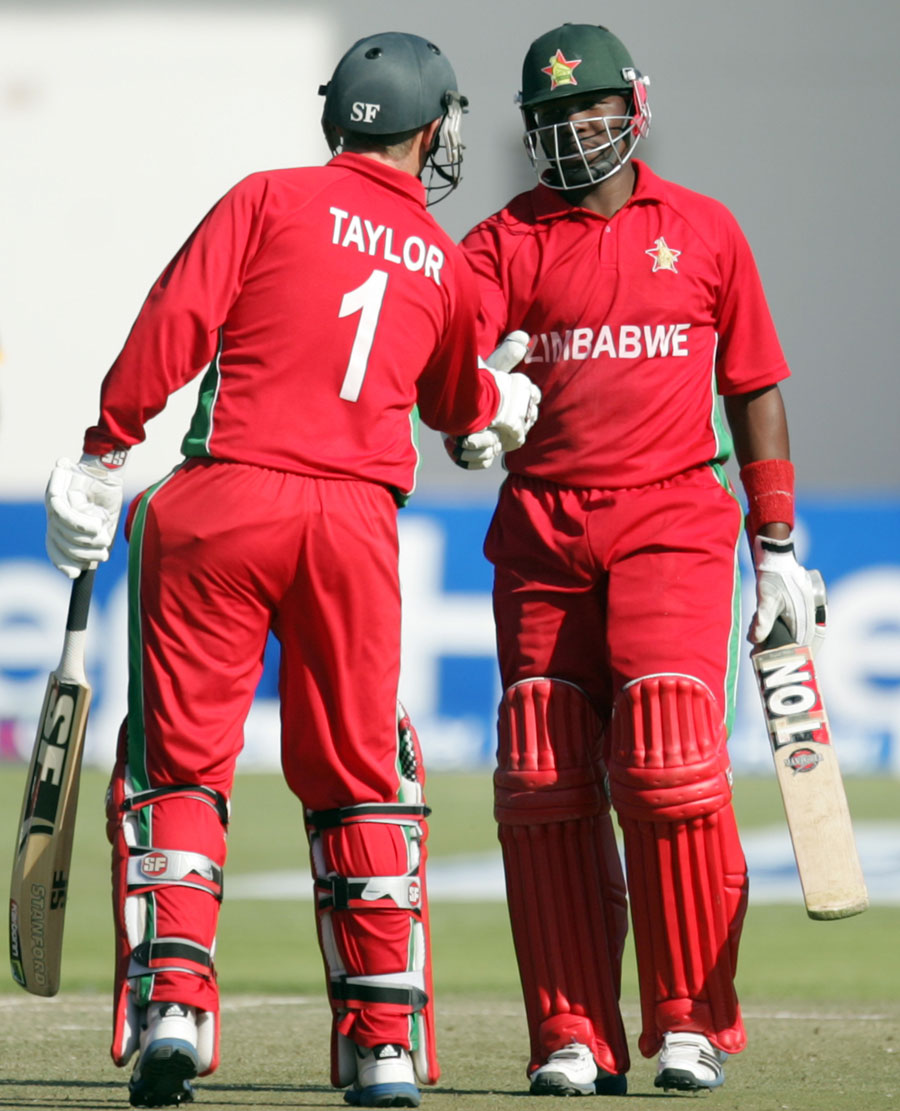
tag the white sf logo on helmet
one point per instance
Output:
(361, 112)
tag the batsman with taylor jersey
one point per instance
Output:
(326, 304)
(615, 548)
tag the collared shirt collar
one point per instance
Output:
(550, 204)
(399, 180)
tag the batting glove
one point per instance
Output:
(475, 452)
(519, 400)
(516, 413)
(519, 396)
(787, 590)
(83, 502)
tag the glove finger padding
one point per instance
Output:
(770, 606)
(78, 546)
(62, 560)
(519, 396)
(79, 525)
(509, 353)
(821, 599)
(518, 409)
(783, 589)
(475, 452)
(83, 502)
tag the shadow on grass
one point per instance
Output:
(84, 1094)
(117, 1091)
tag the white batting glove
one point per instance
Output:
(478, 450)
(787, 590)
(519, 396)
(83, 502)
(509, 353)
(475, 452)
(519, 400)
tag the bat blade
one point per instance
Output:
(809, 777)
(40, 875)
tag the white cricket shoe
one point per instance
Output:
(572, 1071)
(168, 1059)
(689, 1062)
(384, 1078)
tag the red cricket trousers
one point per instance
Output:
(601, 587)
(222, 553)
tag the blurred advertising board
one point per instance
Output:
(449, 679)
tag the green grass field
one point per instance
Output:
(821, 999)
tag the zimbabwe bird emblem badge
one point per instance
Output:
(561, 70)
(664, 257)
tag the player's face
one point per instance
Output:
(594, 122)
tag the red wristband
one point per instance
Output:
(769, 486)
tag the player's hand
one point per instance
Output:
(509, 353)
(519, 401)
(475, 452)
(519, 396)
(83, 502)
(787, 590)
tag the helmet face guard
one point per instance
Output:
(578, 61)
(563, 159)
(443, 167)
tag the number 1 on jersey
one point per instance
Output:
(366, 300)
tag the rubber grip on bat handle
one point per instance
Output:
(779, 636)
(80, 601)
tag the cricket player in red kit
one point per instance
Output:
(615, 548)
(326, 305)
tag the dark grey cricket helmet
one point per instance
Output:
(390, 84)
(571, 60)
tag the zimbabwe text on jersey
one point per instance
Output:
(628, 341)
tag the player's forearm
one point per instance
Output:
(455, 394)
(758, 425)
(468, 406)
(762, 447)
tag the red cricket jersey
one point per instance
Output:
(637, 323)
(326, 303)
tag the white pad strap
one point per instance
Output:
(341, 893)
(151, 867)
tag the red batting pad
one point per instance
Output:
(687, 881)
(563, 876)
(176, 821)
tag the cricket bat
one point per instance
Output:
(40, 875)
(809, 777)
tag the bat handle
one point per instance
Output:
(779, 636)
(80, 601)
(71, 665)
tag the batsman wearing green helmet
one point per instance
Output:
(616, 591)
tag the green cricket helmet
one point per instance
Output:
(575, 60)
(390, 84)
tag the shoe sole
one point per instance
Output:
(558, 1084)
(384, 1095)
(684, 1081)
(163, 1075)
